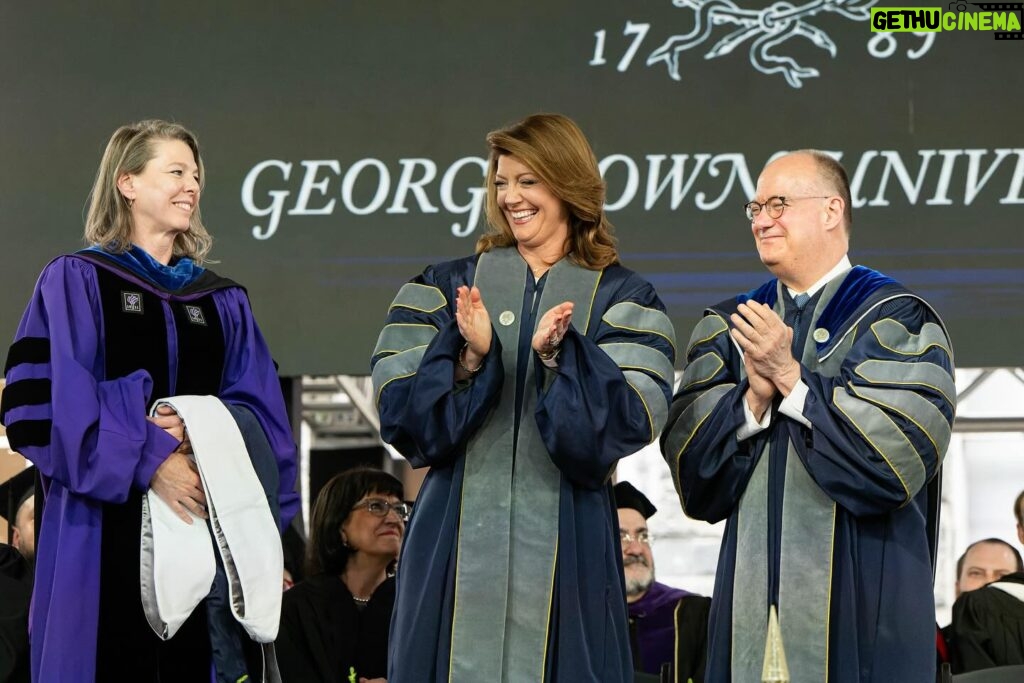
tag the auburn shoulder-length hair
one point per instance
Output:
(109, 221)
(555, 149)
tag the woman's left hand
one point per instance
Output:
(168, 420)
(551, 328)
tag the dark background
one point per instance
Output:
(397, 79)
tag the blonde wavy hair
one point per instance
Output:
(555, 149)
(109, 221)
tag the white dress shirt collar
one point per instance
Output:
(841, 267)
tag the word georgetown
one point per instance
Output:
(274, 189)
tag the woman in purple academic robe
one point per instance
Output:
(132, 318)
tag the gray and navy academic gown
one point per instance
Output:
(835, 523)
(100, 339)
(511, 568)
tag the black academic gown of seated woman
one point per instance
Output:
(326, 636)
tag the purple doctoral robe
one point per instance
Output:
(75, 407)
(668, 629)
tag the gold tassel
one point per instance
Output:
(775, 669)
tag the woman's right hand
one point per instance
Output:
(552, 328)
(474, 324)
(177, 483)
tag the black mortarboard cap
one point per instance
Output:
(627, 496)
(14, 492)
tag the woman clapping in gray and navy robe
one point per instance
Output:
(520, 376)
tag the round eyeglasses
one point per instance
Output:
(644, 537)
(775, 206)
(378, 507)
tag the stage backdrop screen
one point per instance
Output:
(344, 142)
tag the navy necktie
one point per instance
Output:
(796, 319)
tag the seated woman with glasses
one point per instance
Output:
(334, 625)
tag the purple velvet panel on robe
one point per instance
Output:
(655, 618)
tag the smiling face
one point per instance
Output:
(808, 239)
(539, 220)
(165, 194)
(366, 533)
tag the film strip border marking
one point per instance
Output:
(1003, 7)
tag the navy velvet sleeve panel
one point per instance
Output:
(87, 433)
(609, 396)
(881, 426)
(250, 380)
(424, 414)
(710, 467)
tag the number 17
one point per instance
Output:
(638, 31)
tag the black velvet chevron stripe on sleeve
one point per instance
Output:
(30, 391)
(29, 433)
(24, 392)
(28, 350)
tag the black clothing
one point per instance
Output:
(325, 635)
(15, 595)
(988, 626)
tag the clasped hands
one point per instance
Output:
(475, 326)
(177, 480)
(766, 342)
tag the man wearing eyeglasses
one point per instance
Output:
(813, 414)
(668, 627)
